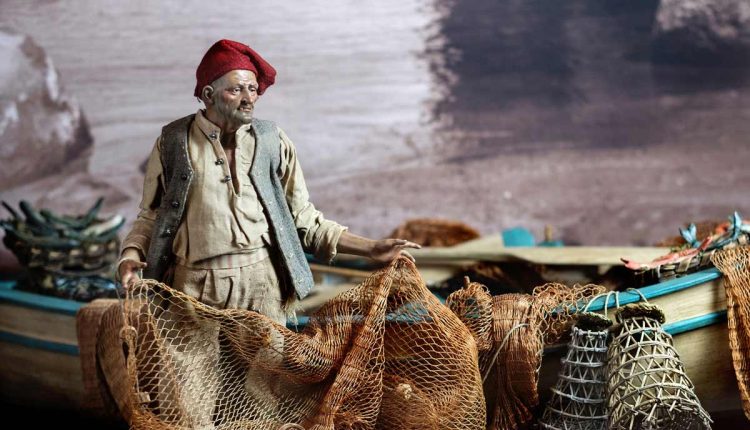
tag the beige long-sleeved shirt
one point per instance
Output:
(223, 217)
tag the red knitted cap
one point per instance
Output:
(227, 55)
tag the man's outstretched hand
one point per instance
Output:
(128, 271)
(386, 250)
(382, 251)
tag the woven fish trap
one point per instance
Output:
(384, 355)
(511, 331)
(648, 387)
(735, 265)
(579, 398)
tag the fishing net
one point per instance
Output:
(580, 394)
(511, 331)
(385, 354)
(435, 232)
(735, 265)
(648, 387)
(89, 328)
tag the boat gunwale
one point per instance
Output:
(8, 294)
(70, 307)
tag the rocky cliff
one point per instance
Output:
(42, 128)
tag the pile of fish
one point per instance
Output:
(64, 255)
(48, 229)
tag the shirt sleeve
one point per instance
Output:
(139, 238)
(318, 235)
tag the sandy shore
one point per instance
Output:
(592, 197)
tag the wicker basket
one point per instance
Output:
(70, 255)
(647, 384)
(579, 397)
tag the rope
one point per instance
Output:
(639, 293)
(502, 345)
(617, 299)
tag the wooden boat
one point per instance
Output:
(39, 355)
(694, 305)
(40, 364)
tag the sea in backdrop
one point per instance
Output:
(496, 113)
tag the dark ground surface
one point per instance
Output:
(25, 418)
(22, 417)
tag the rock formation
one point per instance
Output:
(42, 129)
(704, 32)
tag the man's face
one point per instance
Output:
(234, 97)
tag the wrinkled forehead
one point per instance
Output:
(238, 76)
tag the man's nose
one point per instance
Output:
(247, 95)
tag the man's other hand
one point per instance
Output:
(128, 271)
(386, 250)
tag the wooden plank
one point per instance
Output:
(38, 324)
(699, 300)
(488, 243)
(707, 359)
(340, 271)
(433, 274)
(566, 255)
(695, 323)
(40, 344)
(697, 294)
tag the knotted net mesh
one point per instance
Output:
(385, 354)
(734, 263)
(511, 332)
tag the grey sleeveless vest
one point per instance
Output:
(178, 174)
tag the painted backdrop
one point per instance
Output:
(592, 116)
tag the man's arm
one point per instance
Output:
(321, 236)
(136, 243)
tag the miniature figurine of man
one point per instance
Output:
(225, 216)
(225, 206)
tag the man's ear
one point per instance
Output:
(207, 94)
